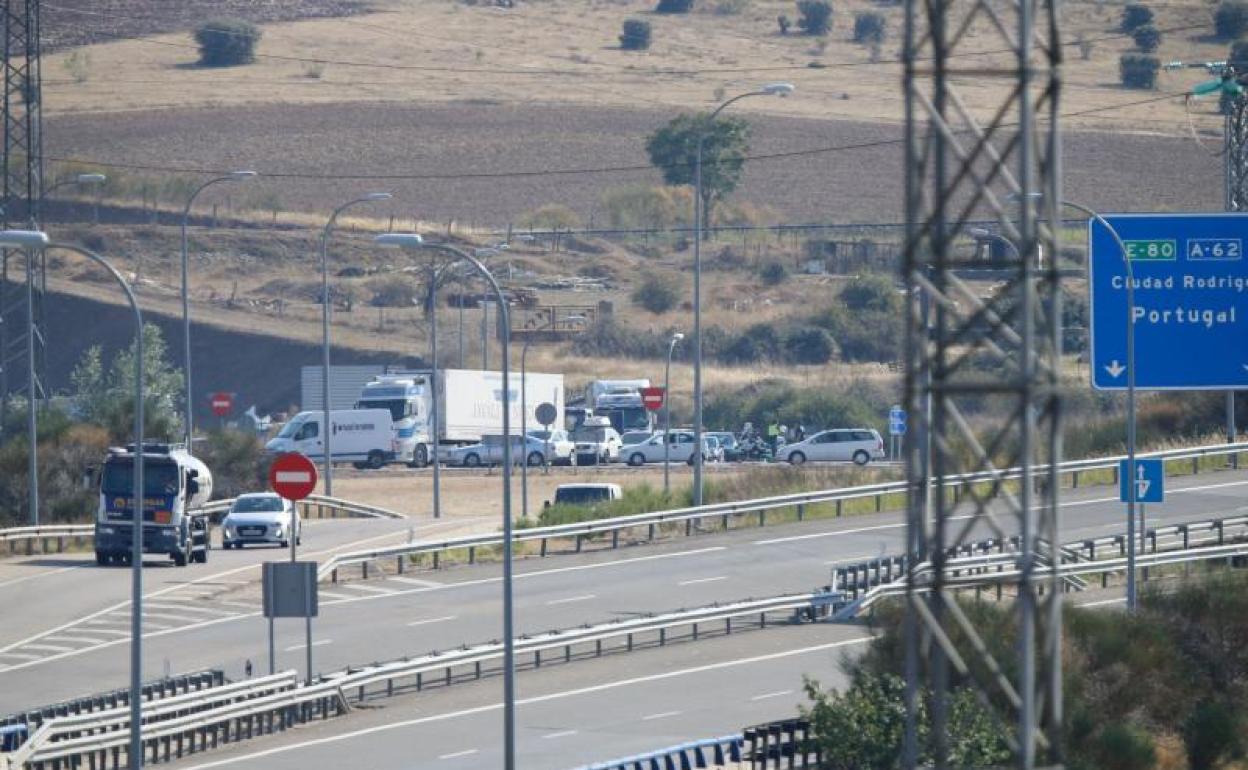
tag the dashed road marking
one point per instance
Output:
(570, 599)
(695, 581)
(431, 620)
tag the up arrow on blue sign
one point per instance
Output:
(1150, 481)
(1190, 310)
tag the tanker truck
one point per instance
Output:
(175, 488)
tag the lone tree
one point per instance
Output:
(673, 149)
(227, 42)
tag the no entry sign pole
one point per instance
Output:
(292, 476)
(222, 404)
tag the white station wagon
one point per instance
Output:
(861, 445)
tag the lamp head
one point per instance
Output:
(91, 179)
(400, 240)
(779, 89)
(378, 196)
(239, 176)
(981, 232)
(677, 337)
(23, 239)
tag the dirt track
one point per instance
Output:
(1111, 172)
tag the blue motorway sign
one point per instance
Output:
(1150, 481)
(897, 421)
(1191, 301)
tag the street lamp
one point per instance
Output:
(35, 240)
(412, 241)
(667, 414)
(80, 179)
(524, 430)
(771, 89)
(233, 176)
(325, 310)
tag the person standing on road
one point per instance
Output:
(773, 433)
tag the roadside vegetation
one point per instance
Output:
(1166, 688)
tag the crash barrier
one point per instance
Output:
(178, 726)
(996, 570)
(581, 532)
(783, 744)
(57, 537)
(161, 688)
(181, 725)
(723, 752)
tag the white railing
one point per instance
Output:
(579, 531)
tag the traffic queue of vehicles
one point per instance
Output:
(394, 421)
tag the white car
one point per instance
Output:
(557, 448)
(490, 452)
(680, 450)
(261, 517)
(597, 444)
(630, 437)
(861, 445)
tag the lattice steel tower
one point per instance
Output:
(21, 293)
(998, 158)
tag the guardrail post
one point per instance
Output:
(472, 554)
(579, 539)
(615, 538)
(650, 532)
(398, 565)
(801, 512)
(838, 508)
(688, 527)
(662, 636)
(364, 567)
(1195, 466)
(333, 576)
(435, 559)
(1113, 472)
(60, 544)
(1221, 532)
(695, 631)
(1186, 536)
(1074, 479)
(727, 625)
(879, 503)
(543, 547)
(537, 659)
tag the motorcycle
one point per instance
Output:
(754, 447)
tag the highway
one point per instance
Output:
(363, 621)
(571, 715)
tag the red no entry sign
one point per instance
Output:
(222, 404)
(292, 476)
(652, 398)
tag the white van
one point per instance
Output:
(364, 437)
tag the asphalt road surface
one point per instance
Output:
(190, 627)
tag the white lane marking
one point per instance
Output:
(48, 573)
(415, 581)
(317, 643)
(48, 647)
(188, 608)
(1102, 602)
(560, 734)
(776, 694)
(174, 618)
(366, 589)
(113, 631)
(536, 699)
(661, 715)
(205, 579)
(74, 639)
(570, 599)
(329, 594)
(459, 754)
(19, 656)
(431, 620)
(695, 581)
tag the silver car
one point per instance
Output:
(261, 517)
(860, 445)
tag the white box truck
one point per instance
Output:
(364, 437)
(470, 406)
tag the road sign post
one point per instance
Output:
(1190, 310)
(293, 476)
(896, 429)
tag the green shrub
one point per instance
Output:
(227, 42)
(773, 273)
(674, 6)
(1146, 38)
(1138, 70)
(1213, 734)
(1230, 20)
(1135, 15)
(808, 345)
(552, 216)
(815, 16)
(642, 206)
(869, 27)
(656, 294)
(636, 35)
(237, 460)
(392, 291)
(871, 292)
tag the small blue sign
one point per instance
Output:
(897, 421)
(1150, 481)
(1190, 311)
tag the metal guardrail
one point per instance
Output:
(314, 507)
(710, 752)
(580, 531)
(184, 724)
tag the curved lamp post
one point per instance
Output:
(771, 89)
(413, 242)
(35, 240)
(667, 414)
(325, 310)
(233, 176)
